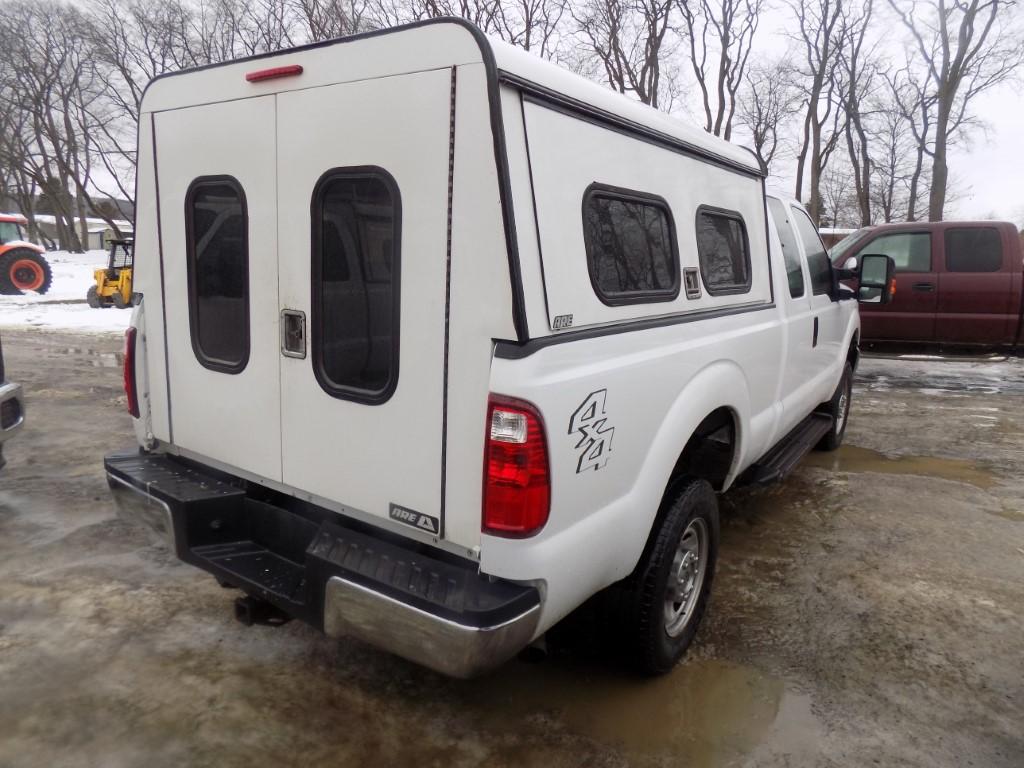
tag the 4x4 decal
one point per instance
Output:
(589, 425)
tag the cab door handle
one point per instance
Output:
(924, 287)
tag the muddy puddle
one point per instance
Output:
(705, 712)
(852, 458)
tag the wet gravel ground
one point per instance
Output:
(867, 611)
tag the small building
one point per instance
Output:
(832, 235)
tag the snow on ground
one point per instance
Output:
(63, 306)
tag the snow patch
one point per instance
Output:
(63, 306)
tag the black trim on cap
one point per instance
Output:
(507, 350)
(559, 102)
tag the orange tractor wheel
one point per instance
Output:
(24, 270)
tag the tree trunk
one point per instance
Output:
(940, 170)
(814, 199)
(915, 180)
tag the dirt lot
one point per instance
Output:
(868, 611)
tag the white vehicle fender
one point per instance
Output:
(721, 384)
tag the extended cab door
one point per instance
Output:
(798, 370)
(218, 227)
(910, 316)
(828, 326)
(978, 288)
(363, 210)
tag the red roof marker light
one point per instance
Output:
(273, 73)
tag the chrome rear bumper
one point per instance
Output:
(428, 607)
(446, 646)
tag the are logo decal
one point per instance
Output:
(589, 426)
(561, 322)
(415, 519)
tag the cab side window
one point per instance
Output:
(818, 263)
(790, 251)
(910, 251)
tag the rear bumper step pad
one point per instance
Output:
(315, 565)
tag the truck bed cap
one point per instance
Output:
(425, 45)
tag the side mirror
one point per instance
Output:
(877, 279)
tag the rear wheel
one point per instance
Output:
(660, 605)
(24, 270)
(839, 409)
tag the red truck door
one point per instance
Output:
(979, 289)
(910, 316)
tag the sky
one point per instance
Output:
(987, 171)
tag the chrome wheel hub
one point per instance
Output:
(686, 577)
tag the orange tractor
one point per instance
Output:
(22, 266)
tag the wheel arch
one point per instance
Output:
(14, 244)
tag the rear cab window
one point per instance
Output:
(630, 241)
(354, 329)
(973, 249)
(723, 251)
(217, 243)
(818, 264)
(910, 251)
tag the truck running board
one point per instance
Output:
(788, 452)
(284, 551)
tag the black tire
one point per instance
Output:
(22, 269)
(92, 298)
(118, 300)
(839, 409)
(637, 607)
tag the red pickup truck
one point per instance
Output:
(957, 282)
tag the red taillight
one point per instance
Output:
(129, 372)
(517, 483)
(273, 73)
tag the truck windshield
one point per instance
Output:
(9, 231)
(840, 248)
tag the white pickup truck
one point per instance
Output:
(433, 341)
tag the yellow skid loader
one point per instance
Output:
(113, 282)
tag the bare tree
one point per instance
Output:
(859, 76)
(720, 35)
(628, 44)
(839, 204)
(893, 160)
(533, 25)
(767, 101)
(327, 19)
(966, 47)
(48, 77)
(819, 34)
